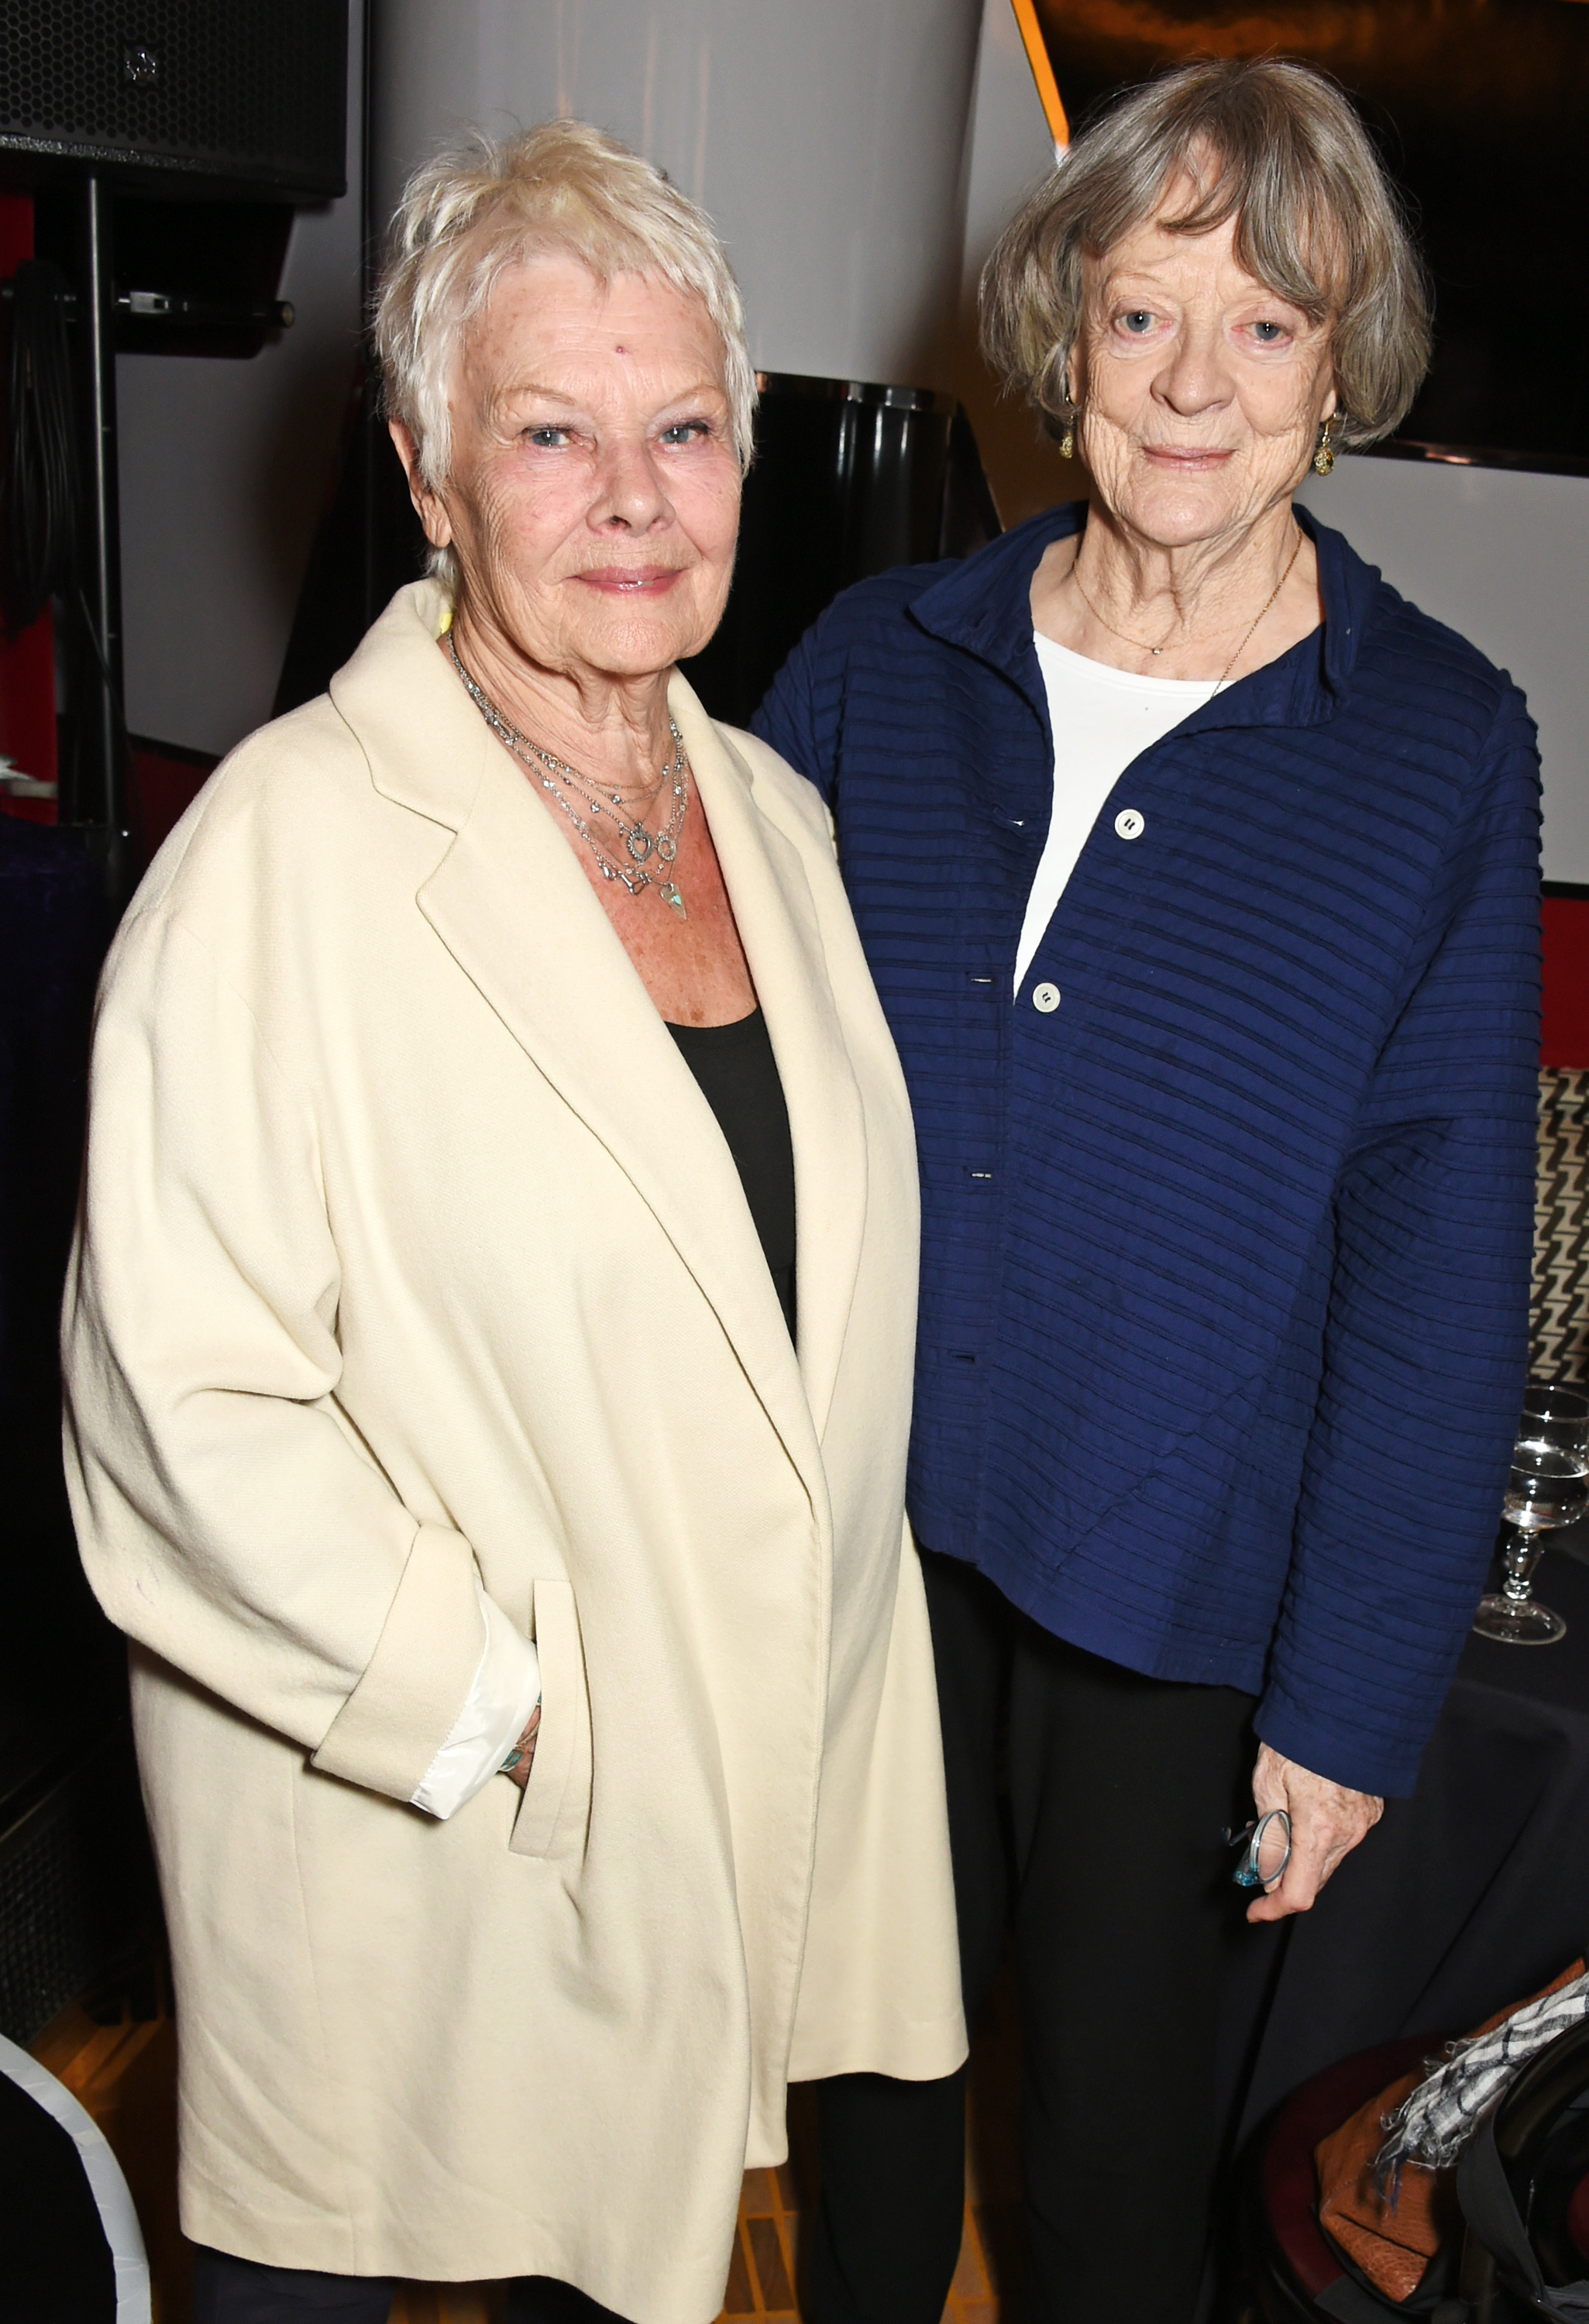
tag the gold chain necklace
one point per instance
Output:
(1140, 646)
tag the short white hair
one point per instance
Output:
(482, 205)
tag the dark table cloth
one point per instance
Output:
(1464, 1898)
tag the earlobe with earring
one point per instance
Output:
(1067, 437)
(1323, 457)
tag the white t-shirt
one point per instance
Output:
(1102, 719)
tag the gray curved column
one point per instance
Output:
(827, 138)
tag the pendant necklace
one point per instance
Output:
(1143, 647)
(635, 841)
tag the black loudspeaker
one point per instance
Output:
(849, 479)
(243, 92)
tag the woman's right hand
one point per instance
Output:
(1327, 1821)
(519, 1774)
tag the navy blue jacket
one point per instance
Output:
(1225, 1259)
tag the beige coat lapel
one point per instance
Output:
(765, 876)
(512, 905)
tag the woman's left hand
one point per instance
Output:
(1327, 1821)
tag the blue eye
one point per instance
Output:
(547, 439)
(1139, 319)
(684, 431)
(1268, 333)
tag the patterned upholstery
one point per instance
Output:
(1558, 1347)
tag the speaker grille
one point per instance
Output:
(75, 1882)
(254, 90)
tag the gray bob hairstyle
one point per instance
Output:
(480, 205)
(1272, 145)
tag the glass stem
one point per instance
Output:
(1519, 1558)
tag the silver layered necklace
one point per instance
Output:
(640, 858)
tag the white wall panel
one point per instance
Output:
(826, 137)
(1503, 557)
(1010, 153)
(1010, 150)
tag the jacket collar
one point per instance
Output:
(984, 608)
(512, 905)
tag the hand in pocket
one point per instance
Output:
(519, 1774)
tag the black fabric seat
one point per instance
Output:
(1523, 2184)
(55, 2260)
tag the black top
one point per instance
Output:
(738, 1077)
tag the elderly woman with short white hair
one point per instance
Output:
(489, 1355)
(1198, 874)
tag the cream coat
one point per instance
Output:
(411, 1252)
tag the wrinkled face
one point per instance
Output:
(593, 500)
(1201, 392)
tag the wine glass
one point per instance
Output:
(1555, 1418)
(1548, 1487)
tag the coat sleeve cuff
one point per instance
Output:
(1343, 1751)
(505, 1691)
(400, 1714)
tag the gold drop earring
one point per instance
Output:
(1323, 457)
(1067, 436)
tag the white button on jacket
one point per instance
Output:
(1130, 823)
(1046, 998)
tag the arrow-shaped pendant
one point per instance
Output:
(668, 891)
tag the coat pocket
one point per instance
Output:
(555, 1811)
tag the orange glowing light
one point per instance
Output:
(1043, 71)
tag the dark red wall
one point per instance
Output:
(27, 661)
(1565, 1031)
(165, 783)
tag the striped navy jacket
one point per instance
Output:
(1224, 1258)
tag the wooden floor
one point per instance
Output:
(766, 2259)
(762, 2277)
(120, 2063)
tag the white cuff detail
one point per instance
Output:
(505, 1689)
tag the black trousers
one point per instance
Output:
(887, 2230)
(1110, 1867)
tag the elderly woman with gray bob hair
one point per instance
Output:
(1197, 872)
(488, 1359)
